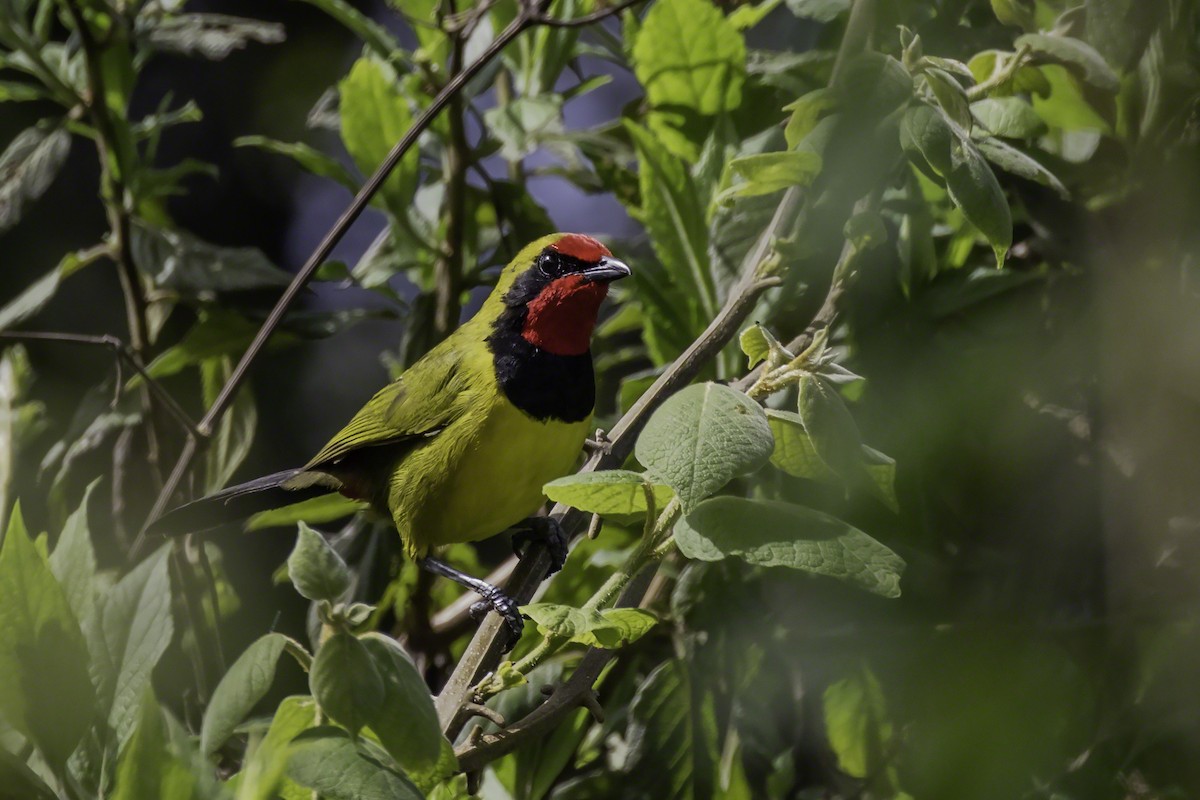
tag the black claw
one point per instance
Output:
(502, 604)
(546, 530)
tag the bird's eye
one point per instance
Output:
(550, 265)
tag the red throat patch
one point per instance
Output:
(561, 318)
(585, 248)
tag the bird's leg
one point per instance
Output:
(546, 530)
(492, 596)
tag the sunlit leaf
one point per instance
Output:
(327, 761)
(27, 168)
(614, 491)
(316, 570)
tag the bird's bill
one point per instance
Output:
(606, 270)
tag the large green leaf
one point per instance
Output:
(27, 168)
(316, 570)
(263, 775)
(1012, 117)
(405, 721)
(1076, 55)
(127, 635)
(678, 293)
(19, 782)
(687, 54)
(375, 115)
(612, 491)
(949, 151)
(521, 124)
(767, 173)
(74, 560)
(774, 534)
(178, 260)
(327, 761)
(346, 682)
(46, 692)
(149, 765)
(246, 682)
(672, 736)
(857, 724)
(610, 628)
(701, 438)
(1010, 159)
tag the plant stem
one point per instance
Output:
(449, 269)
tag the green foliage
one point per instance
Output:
(772, 534)
(956, 232)
(702, 438)
(316, 570)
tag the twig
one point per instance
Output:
(524, 20)
(448, 271)
(124, 354)
(483, 651)
(587, 19)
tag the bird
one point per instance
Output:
(458, 447)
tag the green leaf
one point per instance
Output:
(521, 124)
(806, 112)
(177, 260)
(20, 419)
(263, 775)
(14, 92)
(774, 534)
(747, 16)
(1063, 105)
(608, 492)
(28, 166)
(688, 54)
(308, 157)
(375, 115)
(755, 342)
(767, 173)
(610, 629)
(230, 442)
(246, 682)
(857, 724)
(1077, 56)
(794, 451)
(211, 36)
(971, 184)
(327, 761)
(346, 682)
(36, 295)
(701, 438)
(46, 693)
(74, 561)
(219, 332)
(1012, 160)
(316, 570)
(405, 721)
(672, 736)
(830, 426)
(1011, 117)
(130, 631)
(950, 96)
(678, 292)
(19, 782)
(314, 511)
(152, 764)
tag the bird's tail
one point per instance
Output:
(233, 503)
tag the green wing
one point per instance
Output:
(419, 404)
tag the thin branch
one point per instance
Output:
(587, 19)
(483, 652)
(124, 354)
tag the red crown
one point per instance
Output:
(584, 248)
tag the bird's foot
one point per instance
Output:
(496, 600)
(599, 442)
(546, 530)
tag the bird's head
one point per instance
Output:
(552, 290)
